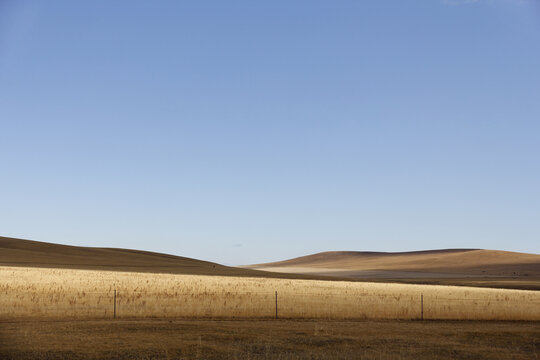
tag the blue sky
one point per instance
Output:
(242, 131)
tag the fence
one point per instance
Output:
(123, 303)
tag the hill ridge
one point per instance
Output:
(476, 267)
(31, 253)
(369, 253)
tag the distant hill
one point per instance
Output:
(450, 266)
(470, 267)
(19, 252)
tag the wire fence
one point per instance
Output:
(224, 303)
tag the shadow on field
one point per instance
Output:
(283, 339)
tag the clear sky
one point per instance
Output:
(250, 131)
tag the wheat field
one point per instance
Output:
(65, 293)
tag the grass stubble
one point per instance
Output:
(268, 339)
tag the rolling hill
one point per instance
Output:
(452, 266)
(28, 253)
(472, 267)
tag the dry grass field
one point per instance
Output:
(58, 302)
(64, 293)
(268, 339)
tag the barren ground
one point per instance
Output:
(281, 339)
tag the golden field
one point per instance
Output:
(64, 293)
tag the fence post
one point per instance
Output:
(276, 305)
(114, 314)
(422, 307)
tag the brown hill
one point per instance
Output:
(451, 266)
(18, 252)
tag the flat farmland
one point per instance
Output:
(268, 339)
(91, 294)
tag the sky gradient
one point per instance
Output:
(241, 132)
